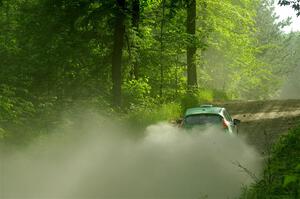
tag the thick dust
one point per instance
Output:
(100, 162)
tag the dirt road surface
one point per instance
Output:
(263, 122)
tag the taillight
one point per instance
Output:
(225, 126)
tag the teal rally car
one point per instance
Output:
(209, 115)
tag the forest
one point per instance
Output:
(140, 61)
(132, 55)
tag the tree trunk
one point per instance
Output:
(135, 25)
(191, 48)
(119, 32)
(162, 49)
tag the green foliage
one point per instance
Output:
(58, 54)
(144, 116)
(13, 107)
(190, 100)
(281, 177)
(136, 93)
(2, 133)
(257, 56)
(205, 95)
(219, 95)
(200, 96)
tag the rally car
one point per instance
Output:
(209, 115)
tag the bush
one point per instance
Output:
(145, 116)
(220, 95)
(13, 107)
(136, 93)
(196, 97)
(281, 177)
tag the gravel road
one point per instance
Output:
(264, 121)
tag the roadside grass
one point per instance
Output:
(143, 117)
(281, 176)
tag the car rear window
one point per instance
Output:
(203, 119)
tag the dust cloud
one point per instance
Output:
(95, 159)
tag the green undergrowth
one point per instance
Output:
(281, 177)
(143, 117)
(22, 121)
(153, 112)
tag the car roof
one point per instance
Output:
(206, 109)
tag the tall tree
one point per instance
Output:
(119, 31)
(191, 48)
(135, 25)
(162, 47)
